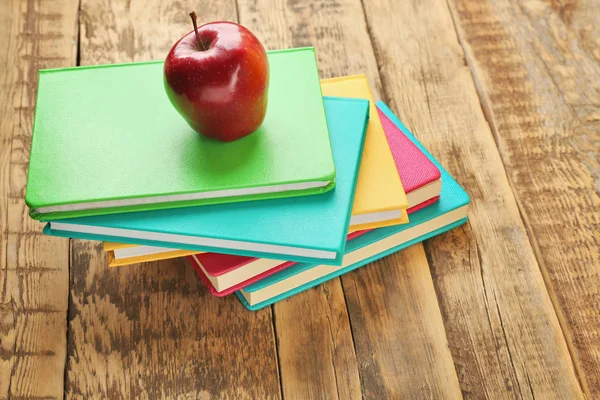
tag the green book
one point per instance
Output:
(107, 140)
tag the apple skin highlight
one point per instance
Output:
(217, 78)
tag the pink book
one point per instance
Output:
(225, 273)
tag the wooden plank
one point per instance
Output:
(502, 329)
(154, 330)
(309, 363)
(33, 268)
(316, 351)
(400, 330)
(545, 116)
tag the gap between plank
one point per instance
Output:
(360, 377)
(237, 11)
(70, 295)
(277, 358)
(78, 55)
(69, 304)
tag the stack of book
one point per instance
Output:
(330, 182)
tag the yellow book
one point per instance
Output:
(379, 200)
(120, 254)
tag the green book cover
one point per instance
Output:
(106, 140)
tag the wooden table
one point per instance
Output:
(505, 93)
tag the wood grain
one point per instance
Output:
(316, 350)
(154, 330)
(537, 68)
(505, 93)
(33, 268)
(502, 329)
(337, 29)
(397, 330)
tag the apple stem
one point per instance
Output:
(193, 16)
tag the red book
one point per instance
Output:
(225, 273)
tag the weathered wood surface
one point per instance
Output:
(537, 71)
(502, 328)
(34, 269)
(154, 331)
(505, 93)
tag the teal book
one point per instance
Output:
(318, 224)
(447, 213)
(107, 140)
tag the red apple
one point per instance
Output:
(217, 77)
